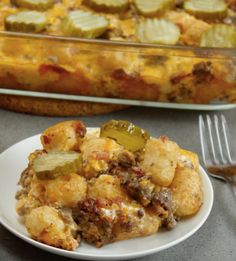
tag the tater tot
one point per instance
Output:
(46, 225)
(63, 136)
(96, 154)
(186, 191)
(160, 160)
(191, 27)
(103, 147)
(65, 191)
(106, 187)
(189, 159)
(26, 204)
(147, 225)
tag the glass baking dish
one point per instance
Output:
(114, 72)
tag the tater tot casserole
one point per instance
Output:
(105, 185)
(152, 50)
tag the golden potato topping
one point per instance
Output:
(118, 194)
(63, 136)
(141, 226)
(186, 191)
(188, 159)
(64, 191)
(106, 187)
(46, 225)
(25, 204)
(96, 148)
(191, 27)
(160, 160)
(96, 153)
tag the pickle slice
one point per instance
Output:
(126, 134)
(39, 5)
(158, 31)
(206, 9)
(108, 6)
(84, 24)
(54, 164)
(152, 8)
(26, 21)
(220, 35)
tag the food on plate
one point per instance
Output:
(160, 160)
(104, 191)
(185, 191)
(63, 136)
(97, 152)
(125, 133)
(26, 21)
(53, 164)
(48, 226)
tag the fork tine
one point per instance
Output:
(202, 131)
(216, 123)
(225, 130)
(209, 125)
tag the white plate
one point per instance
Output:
(14, 160)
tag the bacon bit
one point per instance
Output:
(46, 139)
(93, 205)
(118, 201)
(120, 74)
(140, 213)
(138, 171)
(45, 68)
(232, 4)
(178, 78)
(179, 3)
(89, 205)
(202, 72)
(164, 138)
(133, 86)
(79, 128)
(102, 155)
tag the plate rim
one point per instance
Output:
(78, 255)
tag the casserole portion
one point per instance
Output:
(180, 70)
(95, 187)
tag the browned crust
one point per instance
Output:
(51, 107)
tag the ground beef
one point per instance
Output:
(132, 178)
(163, 200)
(202, 72)
(93, 228)
(140, 187)
(99, 229)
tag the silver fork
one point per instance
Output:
(216, 152)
